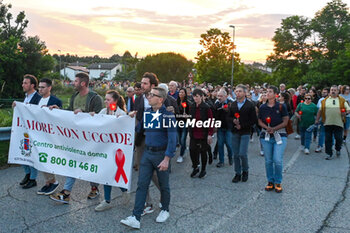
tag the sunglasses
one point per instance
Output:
(307, 98)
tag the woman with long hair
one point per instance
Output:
(115, 105)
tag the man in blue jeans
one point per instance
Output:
(242, 117)
(224, 133)
(160, 146)
(83, 100)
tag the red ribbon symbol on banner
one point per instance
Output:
(120, 160)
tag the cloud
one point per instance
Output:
(258, 26)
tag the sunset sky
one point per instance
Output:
(107, 27)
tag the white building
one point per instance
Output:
(105, 70)
(71, 71)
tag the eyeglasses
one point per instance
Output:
(307, 98)
(152, 95)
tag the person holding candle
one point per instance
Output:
(273, 118)
(115, 105)
(184, 107)
(333, 111)
(306, 113)
(242, 116)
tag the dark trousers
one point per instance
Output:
(337, 132)
(198, 147)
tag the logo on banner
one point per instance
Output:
(151, 120)
(26, 145)
(120, 160)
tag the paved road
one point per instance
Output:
(316, 198)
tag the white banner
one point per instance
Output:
(94, 148)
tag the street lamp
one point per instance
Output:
(233, 52)
(60, 63)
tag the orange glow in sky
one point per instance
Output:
(108, 27)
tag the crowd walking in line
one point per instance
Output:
(232, 114)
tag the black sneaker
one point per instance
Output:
(244, 176)
(220, 164)
(236, 179)
(25, 179)
(30, 184)
(202, 174)
(194, 172)
(42, 191)
(230, 160)
(51, 189)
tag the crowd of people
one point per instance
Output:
(240, 111)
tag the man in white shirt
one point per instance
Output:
(45, 86)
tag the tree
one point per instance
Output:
(313, 51)
(6, 28)
(332, 28)
(214, 61)
(19, 54)
(167, 66)
(291, 49)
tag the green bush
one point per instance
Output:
(6, 117)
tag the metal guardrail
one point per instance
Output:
(5, 133)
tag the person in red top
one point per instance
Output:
(200, 137)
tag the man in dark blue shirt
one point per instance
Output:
(160, 146)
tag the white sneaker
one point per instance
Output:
(262, 153)
(297, 136)
(131, 221)
(252, 140)
(125, 197)
(163, 216)
(318, 149)
(147, 210)
(180, 159)
(103, 206)
(306, 151)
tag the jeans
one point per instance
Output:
(224, 138)
(182, 133)
(321, 135)
(108, 190)
(273, 154)
(240, 148)
(305, 137)
(68, 185)
(337, 132)
(30, 170)
(149, 163)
